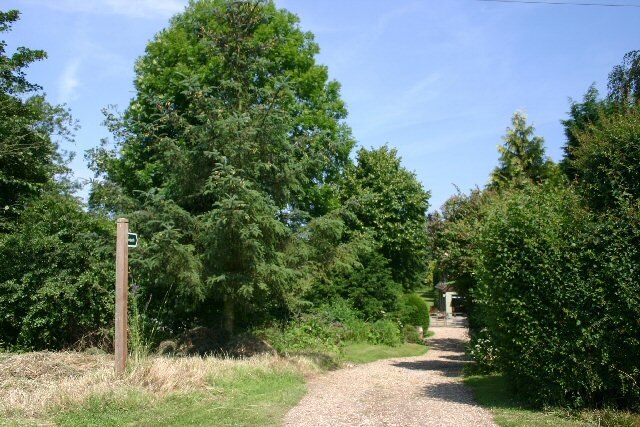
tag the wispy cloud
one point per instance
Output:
(69, 82)
(128, 8)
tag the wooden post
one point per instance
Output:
(122, 294)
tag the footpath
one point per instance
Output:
(416, 391)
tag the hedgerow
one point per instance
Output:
(559, 289)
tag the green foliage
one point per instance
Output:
(371, 288)
(413, 310)
(594, 113)
(307, 333)
(557, 289)
(624, 80)
(385, 332)
(608, 159)
(56, 275)
(328, 328)
(582, 116)
(311, 333)
(410, 334)
(29, 159)
(234, 139)
(323, 330)
(453, 239)
(522, 157)
(390, 202)
(347, 318)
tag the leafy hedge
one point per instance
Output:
(327, 328)
(56, 276)
(414, 311)
(560, 294)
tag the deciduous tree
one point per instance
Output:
(237, 128)
(388, 200)
(29, 157)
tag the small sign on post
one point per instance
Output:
(132, 240)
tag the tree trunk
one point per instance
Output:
(229, 315)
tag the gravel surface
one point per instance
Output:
(413, 391)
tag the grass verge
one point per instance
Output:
(75, 389)
(492, 391)
(364, 352)
(247, 398)
(78, 389)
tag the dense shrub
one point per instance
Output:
(347, 319)
(414, 311)
(369, 288)
(56, 275)
(607, 159)
(385, 332)
(306, 333)
(410, 334)
(560, 295)
(324, 329)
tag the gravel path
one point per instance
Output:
(413, 391)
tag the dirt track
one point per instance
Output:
(417, 391)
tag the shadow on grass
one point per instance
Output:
(494, 391)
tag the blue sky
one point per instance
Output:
(437, 79)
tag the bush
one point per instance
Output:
(413, 310)
(342, 315)
(56, 276)
(385, 332)
(559, 292)
(307, 333)
(410, 334)
(607, 159)
(357, 330)
(483, 352)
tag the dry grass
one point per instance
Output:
(33, 383)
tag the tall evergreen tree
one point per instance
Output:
(234, 137)
(521, 156)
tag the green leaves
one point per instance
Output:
(388, 201)
(235, 127)
(522, 157)
(29, 159)
(557, 289)
(56, 275)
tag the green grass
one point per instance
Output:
(250, 398)
(364, 352)
(492, 391)
(428, 294)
